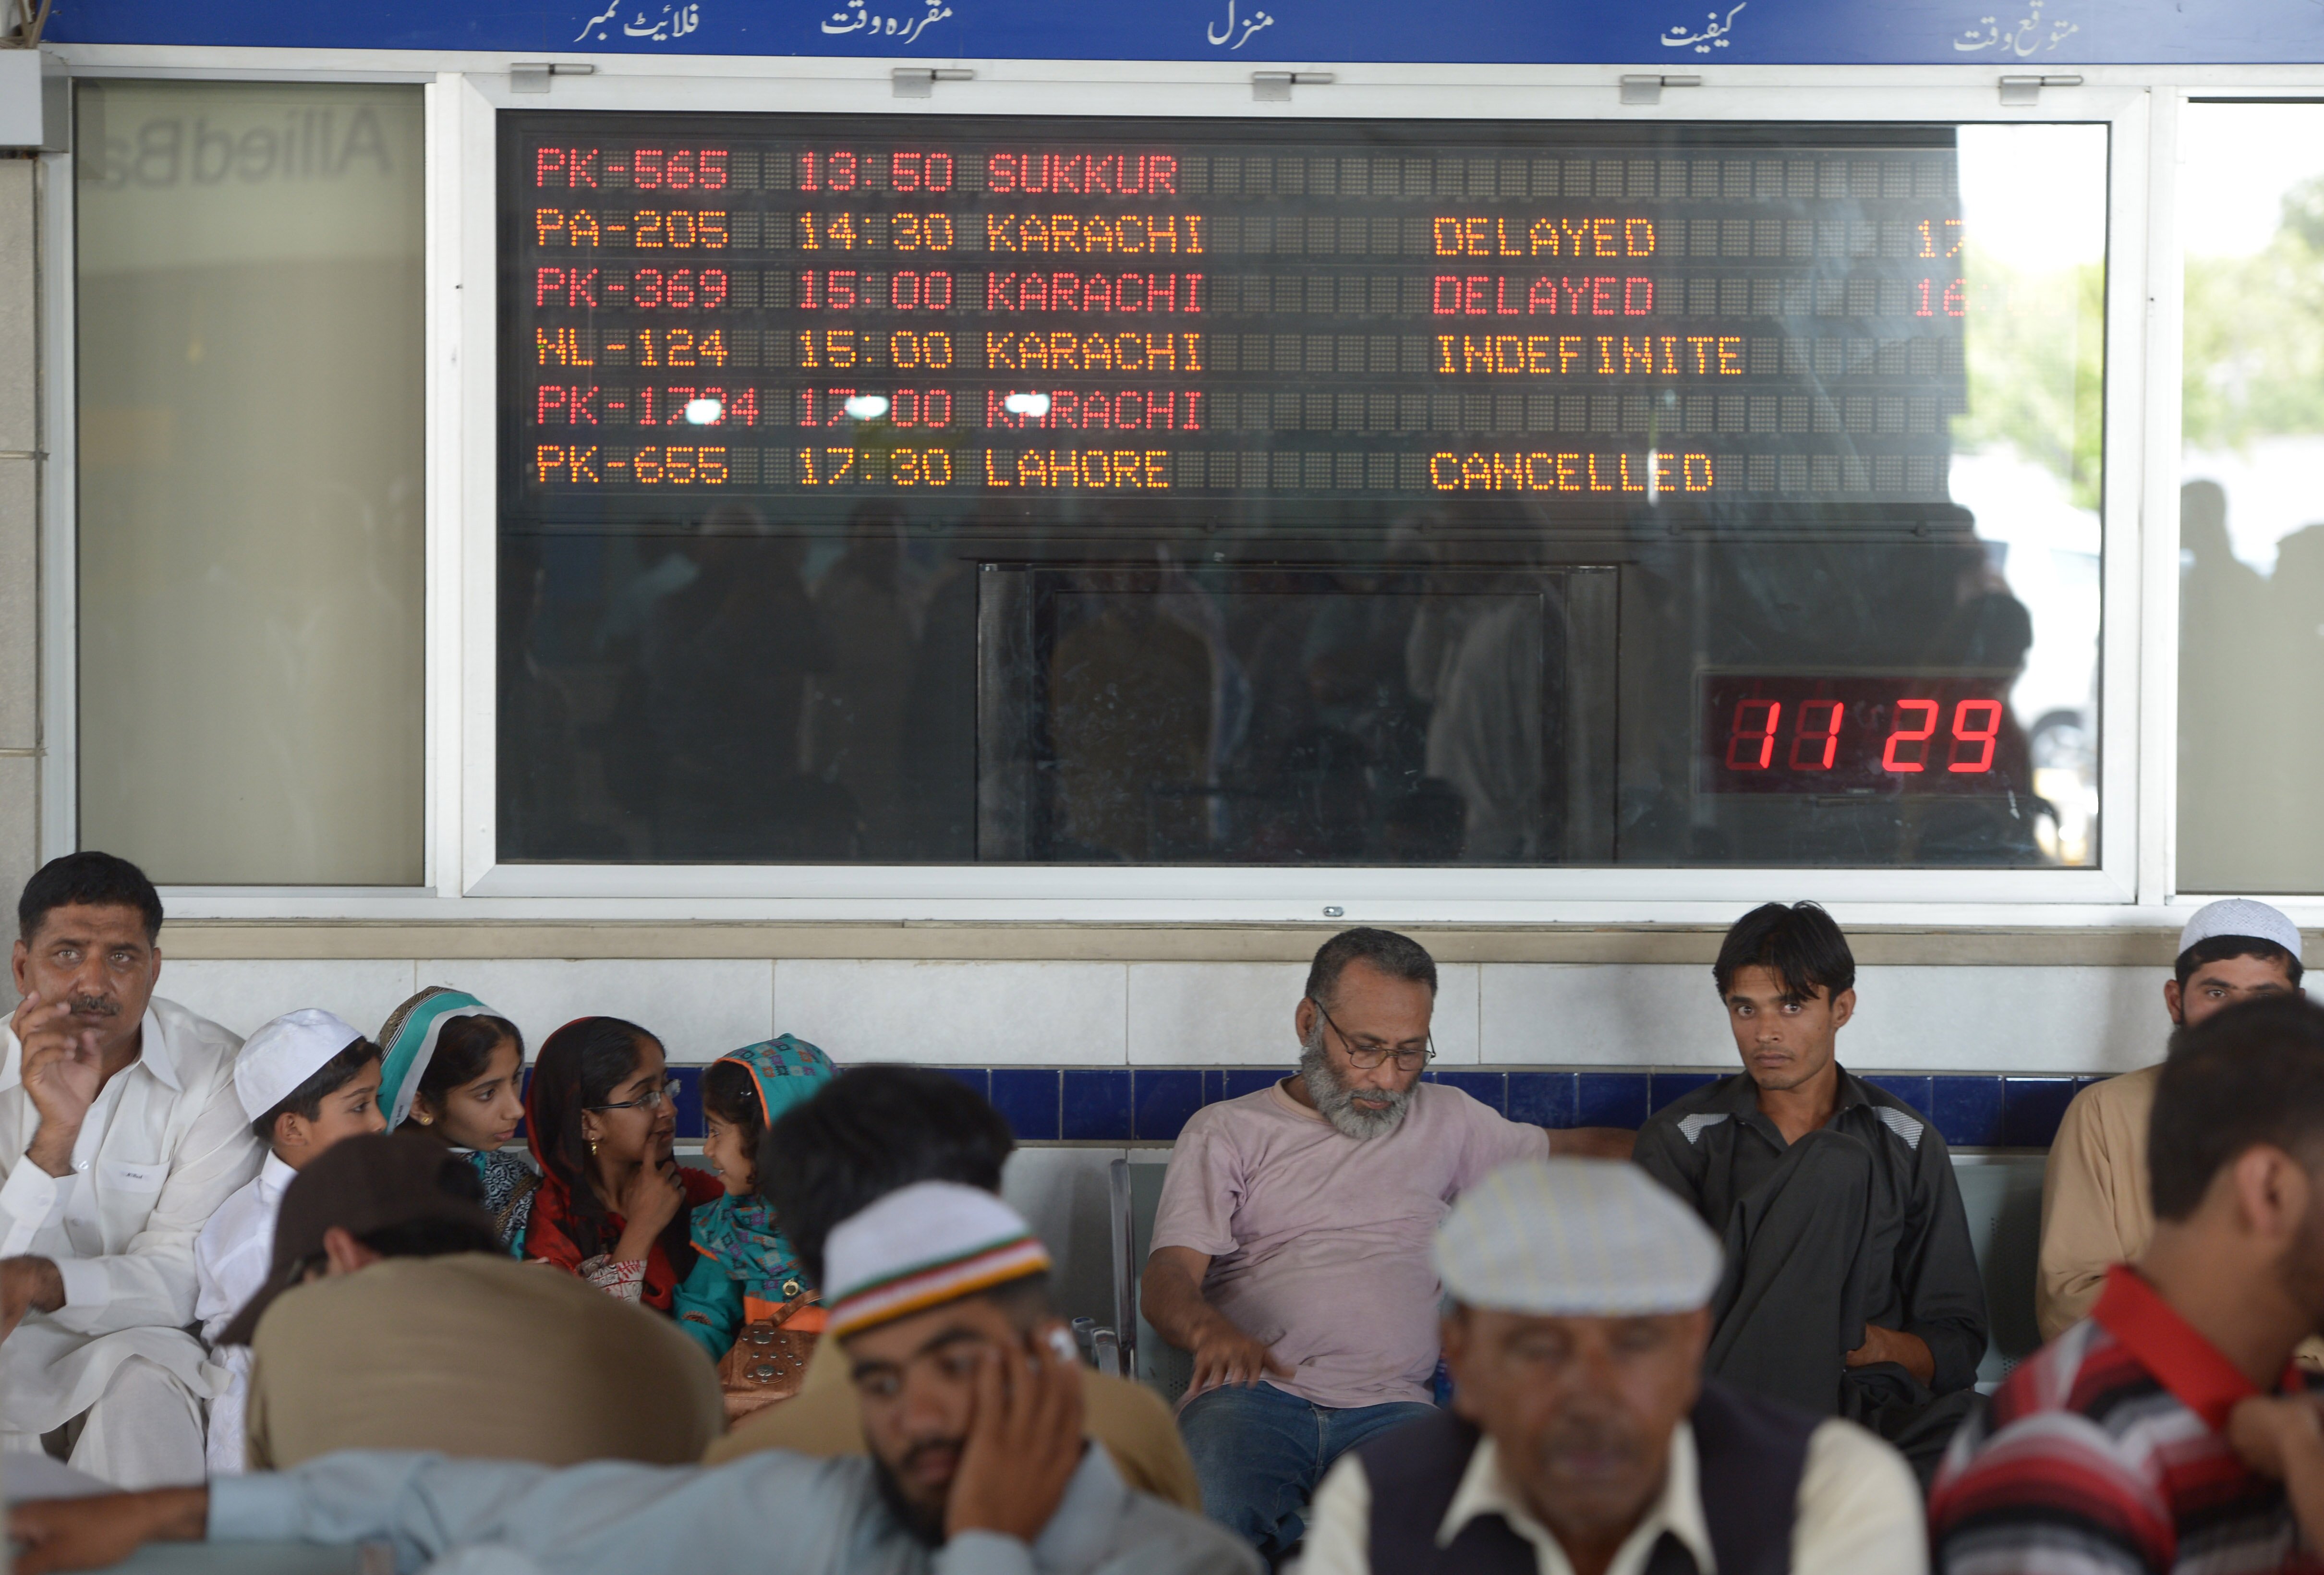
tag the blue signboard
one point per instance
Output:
(2014, 35)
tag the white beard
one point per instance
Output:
(1336, 1102)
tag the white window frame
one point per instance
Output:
(2131, 884)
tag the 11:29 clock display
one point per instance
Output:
(1858, 733)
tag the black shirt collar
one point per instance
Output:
(1740, 1096)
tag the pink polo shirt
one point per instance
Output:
(1319, 1243)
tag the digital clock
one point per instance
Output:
(1859, 733)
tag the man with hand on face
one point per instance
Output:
(971, 1402)
(2095, 1211)
(1583, 1439)
(120, 1135)
(873, 1130)
(1291, 1243)
(1851, 1287)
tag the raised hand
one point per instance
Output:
(63, 1068)
(1024, 1441)
(27, 1285)
(2269, 1433)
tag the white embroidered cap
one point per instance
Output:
(286, 1052)
(2239, 915)
(1575, 1239)
(920, 1247)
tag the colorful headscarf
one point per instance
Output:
(740, 1233)
(408, 1039)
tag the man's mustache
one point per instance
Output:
(102, 1005)
(919, 1451)
(1590, 1435)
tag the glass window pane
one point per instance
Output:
(2251, 544)
(1112, 491)
(250, 410)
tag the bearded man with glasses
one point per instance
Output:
(1291, 1246)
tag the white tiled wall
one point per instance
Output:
(1921, 1019)
(243, 995)
(1182, 1014)
(698, 1009)
(957, 1014)
(1239, 1014)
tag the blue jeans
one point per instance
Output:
(1259, 1454)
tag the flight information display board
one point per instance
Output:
(830, 307)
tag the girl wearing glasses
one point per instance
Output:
(613, 1207)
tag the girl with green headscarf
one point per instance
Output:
(455, 1071)
(744, 1271)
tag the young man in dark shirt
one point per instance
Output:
(1851, 1287)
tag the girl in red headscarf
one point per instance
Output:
(614, 1206)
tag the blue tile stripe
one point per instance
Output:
(1152, 1104)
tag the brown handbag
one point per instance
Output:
(768, 1363)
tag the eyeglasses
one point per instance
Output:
(650, 1100)
(1365, 1057)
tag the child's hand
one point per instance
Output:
(2268, 1433)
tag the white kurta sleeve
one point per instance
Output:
(151, 1283)
(1858, 1508)
(29, 1202)
(1340, 1522)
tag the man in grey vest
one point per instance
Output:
(1583, 1439)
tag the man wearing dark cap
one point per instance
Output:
(393, 1319)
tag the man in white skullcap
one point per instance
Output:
(120, 1135)
(972, 1407)
(2095, 1207)
(305, 1080)
(1584, 1438)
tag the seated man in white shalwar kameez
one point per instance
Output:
(120, 1134)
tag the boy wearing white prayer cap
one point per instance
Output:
(2095, 1207)
(1584, 1438)
(305, 1080)
(972, 1407)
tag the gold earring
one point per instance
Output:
(423, 1117)
(593, 1149)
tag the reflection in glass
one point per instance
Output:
(2251, 546)
(250, 385)
(1773, 540)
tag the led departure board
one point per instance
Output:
(830, 307)
(934, 489)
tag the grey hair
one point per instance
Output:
(1398, 956)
